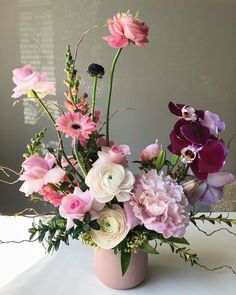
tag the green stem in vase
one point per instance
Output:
(108, 105)
(79, 160)
(95, 79)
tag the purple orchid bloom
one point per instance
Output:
(213, 122)
(195, 143)
(209, 191)
(186, 112)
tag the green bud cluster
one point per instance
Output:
(86, 239)
(135, 242)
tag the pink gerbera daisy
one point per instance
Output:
(76, 125)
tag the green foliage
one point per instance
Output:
(219, 219)
(146, 247)
(34, 146)
(160, 161)
(125, 261)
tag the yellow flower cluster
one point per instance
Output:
(135, 242)
(86, 239)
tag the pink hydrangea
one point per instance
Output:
(26, 80)
(38, 171)
(76, 125)
(159, 203)
(124, 27)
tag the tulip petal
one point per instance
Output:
(220, 179)
(212, 195)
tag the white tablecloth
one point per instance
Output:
(70, 271)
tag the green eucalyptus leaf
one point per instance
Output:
(94, 225)
(125, 261)
(87, 217)
(146, 247)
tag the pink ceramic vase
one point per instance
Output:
(108, 269)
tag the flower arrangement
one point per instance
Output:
(96, 198)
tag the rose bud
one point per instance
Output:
(150, 153)
(96, 70)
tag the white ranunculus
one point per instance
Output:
(113, 228)
(109, 180)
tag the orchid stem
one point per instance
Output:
(109, 95)
(95, 79)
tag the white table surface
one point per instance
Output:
(26, 270)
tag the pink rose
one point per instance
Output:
(124, 27)
(51, 195)
(101, 142)
(74, 206)
(38, 172)
(115, 154)
(150, 153)
(26, 80)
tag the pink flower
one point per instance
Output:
(76, 125)
(124, 27)
(26, 80)
(159, 203)
(82, 106)
(115, 154)
(74, 206)
(150, 153)
(38, 172)
(101, 142)
(51, 195)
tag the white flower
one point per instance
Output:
(109, 180)
(113, 229)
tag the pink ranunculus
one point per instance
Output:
(75, 205)
(150, 153)
(38, 171)
(159, 203)
(51, 195)
(124, 27)
(115, 154)
(26, 80)
(101, 142)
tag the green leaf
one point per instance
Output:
(87, 217)
(78, 222)
(178, 240)
(94, 225)
(174, 160)
(86, 227)
(51, 150)
(78, 230)
(160, 161)
(125, 261)
(148, 248)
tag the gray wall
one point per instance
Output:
(191, 58)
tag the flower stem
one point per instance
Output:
(58, 132)
(95, 79)
(79, 161)
(109, 94)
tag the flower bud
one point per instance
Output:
(96, 70)
(150, 153)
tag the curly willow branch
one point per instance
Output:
(217, 268)
(82, 37)
(17, 242)
(215, 231)
(29, 211)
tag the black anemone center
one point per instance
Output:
(75, 126)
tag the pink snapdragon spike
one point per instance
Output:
(38, 172)
(160, 205)
(116, 154)
(26, 79)
(125, 28)
(76, 125)
(150, 153)
(75, 205)
(193, 140)
(210, 191)
(51, 196)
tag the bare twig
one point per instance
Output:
(17, 242)
(217, 268)
(215, 231)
